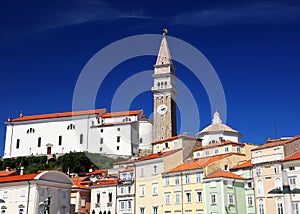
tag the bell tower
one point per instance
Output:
(164, 93)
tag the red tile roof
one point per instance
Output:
(158, 155)
(123, 113)
(277, 142)
(97, 172)
(18, 178)
(243, 165)
(227, 142)
(78, 184)
(106, 182)
(58, 115)
(7, 173)
(199, 163)
(293, 157)
(224, 174)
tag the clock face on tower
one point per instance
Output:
(162, 109)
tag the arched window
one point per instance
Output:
(70, 127)
(30, 131)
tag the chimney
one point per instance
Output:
(22, 170)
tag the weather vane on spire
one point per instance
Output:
(165, 31)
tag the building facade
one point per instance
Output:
(27, 193)
(95, 131)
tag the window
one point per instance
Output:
(258, 171)
(278, 183)
(81, 138)
(213, 198)
(21, 211)
(166, 145)
(207, 152)
(230, 198)
(70, 127)
(187, 178)
(122, 190)
(238, 149)
(291, 168)
(154, 189)
(83, 202)
(110, 197)
(198, 177)
(229, 183)
(175, 144)
(177, 181)
(100, 149)
(142, 210)
(129, 189)
(129, 204)
(198, 154)
(118, 147)
(188, 197)
(188, 212)
(142, 190)
(98, 197)
(216, 151)
(199, 196)
(118, 139)
(167, 198)
(118, 129)
(101, 130)
(226, 149)
(226, 167)
(260, 190)
(122, 205)
(261, 209)
(250, 200)
(213, 184)
(167, 180)
(142, 172)
(141, 140)
(18, 143)
(295, 207)
(155, 171)
(60, 140)
(101, 140)
(276, 169)
(39, 142)
(293, 182)
(177, 198)
(155, 210)
(279, 207)
(30, 131)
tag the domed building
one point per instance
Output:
(218, 131)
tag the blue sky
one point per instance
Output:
(253, 46)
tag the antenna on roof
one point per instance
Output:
(21, 114)
(275, 130)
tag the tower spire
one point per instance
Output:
(164, 56)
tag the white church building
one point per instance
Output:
(94, 131)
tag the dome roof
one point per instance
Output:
(217, 126)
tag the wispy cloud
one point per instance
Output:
(82, 11)
(259, 12)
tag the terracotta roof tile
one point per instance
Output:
(293, 157)
(58, 115)
(78, 184)
(277, 142)
(224, 174)
(199, 163)
(14, 178)
(243, 165)
(106, 182)
(97, 172)
(128, 169)
(7, 173)
(123, 113)
(158, 155)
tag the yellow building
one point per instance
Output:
(149, 182)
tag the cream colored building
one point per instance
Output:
(267, 173)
